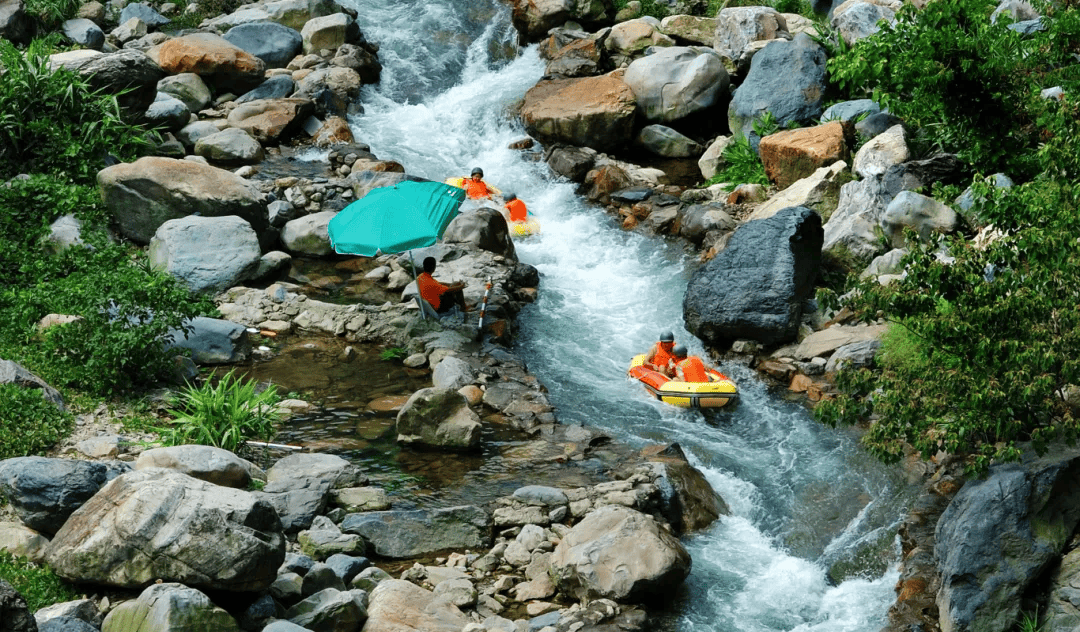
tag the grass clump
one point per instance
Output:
(36, 583)
(224, 414)
(28, 424)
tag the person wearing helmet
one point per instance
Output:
(688, 368)
(475, 187)
(660, 358)
(515, 208)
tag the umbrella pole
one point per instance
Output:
(416, 277)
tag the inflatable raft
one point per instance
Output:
(525, 229)
(517, 229)
(717, 392)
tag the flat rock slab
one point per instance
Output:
(828, 340)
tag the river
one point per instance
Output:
(810, 542)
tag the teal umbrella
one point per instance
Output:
(395, 219)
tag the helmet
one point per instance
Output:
(679, 351)
(477, 171)
(667, 336)
(510, 196)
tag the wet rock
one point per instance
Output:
(403, 534)
(438, 418)
(44, 492)
(329, 610)
(169, 606)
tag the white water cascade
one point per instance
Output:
(804, 499)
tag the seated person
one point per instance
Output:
(475, 187)
(441, 297)
(659, 357)
(515, 208)
(688, 369)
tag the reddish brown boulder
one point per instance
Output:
(213, 58)
(792, 155)
(271, 120)
(593, 112)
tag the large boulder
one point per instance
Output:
(44, 492)
(854, 228)
(756, 287)
(328, 32)
(534, 18)
(272, 120)
(594, 112)
(15, 616)
(291, 13)
(396, 605)
(220, 63)
(438, 418)
(16, 25)
(740, 31)
(818, 191)
(786, 79)
(923, 214)
(631, 39)
(232, 145)
(299, 486)
(690, 29)
(144, 194)
(206, 254)
(212, 340)
(998, 535)
(309, 235)
(689, 501)
(485, 228)
(275, 44)
(856, 19)
(203, 462)
(162, 525)
(618, 553)
(405, 534)
(329, 610)
(674, 82)
(189, 88)
(129, 73)
(169, 607)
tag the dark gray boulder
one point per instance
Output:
(16, 25)
(84, 33)
(45, 492)
(573, 163)
(876, 124)
(127, 71)
(213, 341)
(66, 624)
(276, 87)
(144, 12)
(485, 229)
(786, 79)
(998, 535)
(14, 615)
(275, 44)
(755, 288)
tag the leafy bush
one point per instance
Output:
(742, 165)
(658, 10)
(224, 414)
(52, 122)
(29, 424)
(966, 84)
(52, 13)
(37, 584)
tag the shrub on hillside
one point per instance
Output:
(29, 424)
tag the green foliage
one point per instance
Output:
(967, 85)
(37, 584)
(656, 9)
(52, 13)
(224, 414)
(1029, 622)
(393, 353)
(741, 163)
(29, 424)
(51, 122)
(989, 343)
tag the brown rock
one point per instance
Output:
(593, 112)
(791, 155)
(335, 130)
(630, 222)
(271, 120)
(213, 58)
(605, 181)
(800, 383)
(780, 370)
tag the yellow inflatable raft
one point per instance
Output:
(717, 392)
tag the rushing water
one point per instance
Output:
(809, 544)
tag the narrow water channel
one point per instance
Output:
(810, 543)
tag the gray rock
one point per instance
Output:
(66, 624)
(308, 235)
(786, 79)
(572, 163)
(859, 20)
(296, 563)
(203, 462)
(664, 141)
(698, 220)
(756, 287)
(876, 124)
(400, 605)
(144, 12)
(540, 495)
(17, 617)
(966, 201)
(347, 567)
(84, 33)
(129, 71)
(319, 578)
(739, 30)
(439, 418)
(924, 214)
(485, 228)
(853, 228)
(169, 607)
(158, 524)
(674, 82)
(329, 610)
(207, 254)
(230, 145)
(853, 356)
(15, 373)
(850, 110)
(298, 486)
(144, 194)
(276, 87)
(275, 44)
(1004, 529)
(213, 341)
(44, 492)
(192, 132)
(403, 534)
(261, 612)
(16, 24)
(284, 626)
(189, 88)
(64, 233)
(452, 373)
(167, 112)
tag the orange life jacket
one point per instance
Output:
(517, 209)
(661, 355)
(692, 369)
(476, 189)
(430, 289)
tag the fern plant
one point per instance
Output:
(225, 414)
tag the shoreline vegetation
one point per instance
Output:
(980, 363)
